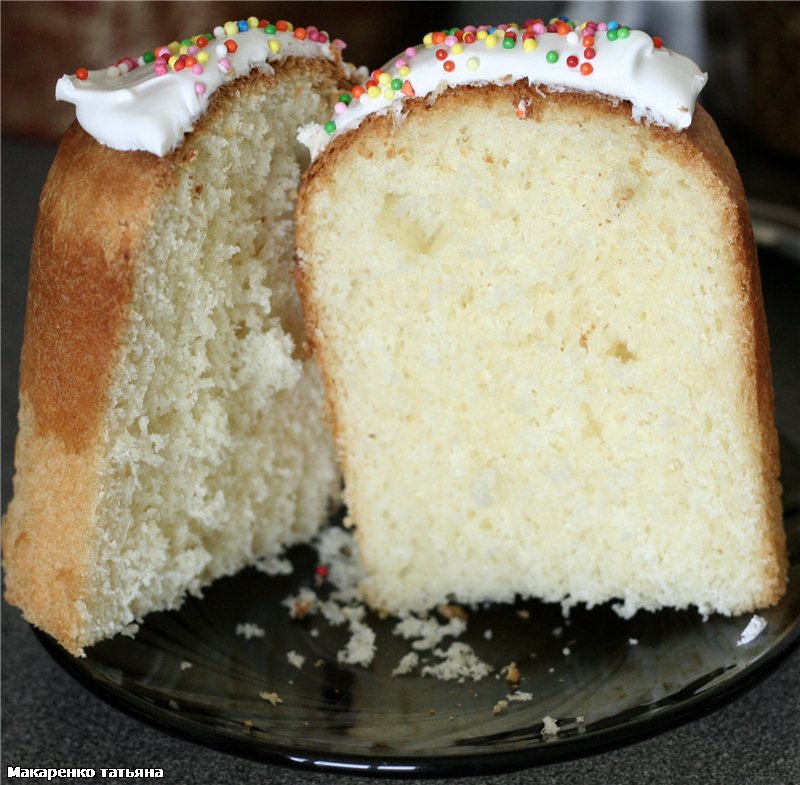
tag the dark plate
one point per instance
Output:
(341, 718)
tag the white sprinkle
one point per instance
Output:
(566, 651)
(487, 634)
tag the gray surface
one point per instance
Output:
(49, 720)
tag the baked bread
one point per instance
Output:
(171, 422)
(544, 345)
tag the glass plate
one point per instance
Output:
(604, 680)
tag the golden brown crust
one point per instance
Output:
(700, 148)
(95, 216)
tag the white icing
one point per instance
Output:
(141, 110)
(660, 84)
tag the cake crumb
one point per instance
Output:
(487, 634)
(360, 649)
(754, 628)
(558, 632)
(501, 707)
(173, 704)
(633, 641)
(270, 697)
(185, 665)
(274, 565)
(524, 614)
(248, 725)
(550, 726)
(520, 696)
(406, 664)
(512, 674)
(319, 663)
(248, 630)
(566, 651)
(458, 662)
(452, 611)
(295, 659)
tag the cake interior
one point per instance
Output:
(537, 347)
(216, 450)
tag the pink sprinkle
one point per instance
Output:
(163, 51)
(410, 52)
(339, 107)
(470, 29)
(197, 69)
(160, 68)
(339, 44)
(602, 26)
(539, 28)
(313, 34)
(312, 29)
(450, 40)
(399, 63)
(200, 88)
(193, 50)
(224, 65)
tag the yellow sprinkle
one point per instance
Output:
(384, 79)
(403, 71)
(554, 21)
(252, 21)
(491, 40)
(529, 44)
(473, 63)
(456, 49)
(274, 45)
(184, 50)
(373, 92)
(481, 34)
(172, 60)
(202, 57)
(289, 27)
(174, 47)
(231, 28)
(428, 39)
(388, 94)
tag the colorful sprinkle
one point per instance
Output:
(586, 68)
(449, 66)
(330, 126)
(552, 56)
(572, 61)
(82, 74)
(473, 64)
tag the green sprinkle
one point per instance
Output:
(509, 42)
(552, 56)
(345, 98)
(186, 42)
(612, 35)
(148, 57)
(330, 126)
(397, 84)
(623, 32)
(270, 29)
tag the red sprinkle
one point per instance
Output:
(231, 46)
(572, 61)
(657, 42)
(589, 53)
(283, 25)
(441, 54)
(469, 38)
(202, 42)
(321, 570)
(449, 66)
(82, 74)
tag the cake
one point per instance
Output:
(543, 340)
(171, 417)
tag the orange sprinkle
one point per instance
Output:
(300, 33)
(586, 68)
(437, 38)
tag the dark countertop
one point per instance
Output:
(51, 721)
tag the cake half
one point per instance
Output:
(543, 341)
(171, 423)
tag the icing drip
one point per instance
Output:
(149, 103)
(604, 58)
